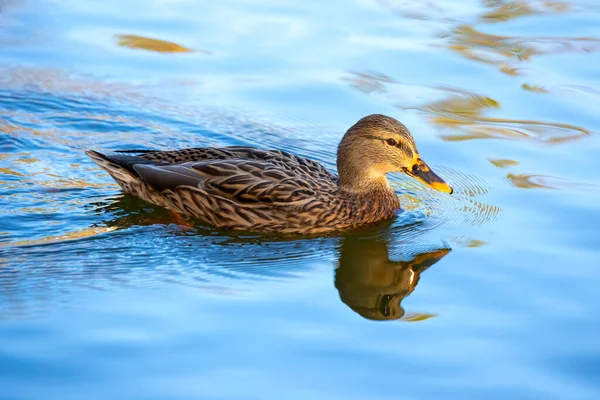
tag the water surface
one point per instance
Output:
(490, 292)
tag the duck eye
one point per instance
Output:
(391, 142)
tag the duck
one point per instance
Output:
(274, 191)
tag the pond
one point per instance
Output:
(486, 293)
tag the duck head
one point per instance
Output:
(375, 146)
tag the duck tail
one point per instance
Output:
(119, 166)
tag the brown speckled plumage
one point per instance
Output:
(266, 190)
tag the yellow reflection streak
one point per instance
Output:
(78, 234)
(462, 111)
(531, 181)
(503, 163)
(145, 43)
(501, 51)
(503, 10)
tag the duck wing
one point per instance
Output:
(243, 182)
(241, 194)
(301, 166)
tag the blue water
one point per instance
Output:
(488, 293)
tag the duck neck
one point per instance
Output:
(369, 200)
(363, 183)
(360, 178)
(367, 191)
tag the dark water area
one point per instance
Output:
(489, 292)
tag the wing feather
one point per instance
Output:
(284, 160)
(240, 181)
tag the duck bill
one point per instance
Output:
(423, 173)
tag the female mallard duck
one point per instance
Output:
(274, 191)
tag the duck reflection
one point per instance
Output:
(367, 280)
(371, 284)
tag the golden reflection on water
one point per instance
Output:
(503, 163)
(515, 129)
(72, 235)
(468, 242)
(461, 104)
(492, 10)
(374, 286)
(534, 88)
(503, 10)
(8, 171)
(531, 181)
(463, 113)
(150, 44)
(504, 51)
(526, 181)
